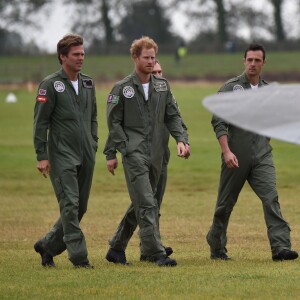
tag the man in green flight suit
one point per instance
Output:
(139, 107)
(247, 156)
(66, 141)
(128, 224)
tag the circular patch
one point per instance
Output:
(238, 88)
(128, 91)
(59, 86)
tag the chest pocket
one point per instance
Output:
(133, 116)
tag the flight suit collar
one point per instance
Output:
(246, 82)
(138, 83)
(63, 74)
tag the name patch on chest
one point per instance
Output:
(160, 86)
(87, 83)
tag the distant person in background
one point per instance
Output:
(138, 109)
(180, 52)
(129, 223)
(247, 156)
(66, 141)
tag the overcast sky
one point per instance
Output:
(50, 29)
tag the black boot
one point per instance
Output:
(47, 259)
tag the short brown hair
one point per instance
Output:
(64, 45)
(256, 47)
(144, 42)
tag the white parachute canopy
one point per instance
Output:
(272, 111)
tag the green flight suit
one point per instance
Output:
(255, 166)
(65, 133)
(128, 224)
(135, 130)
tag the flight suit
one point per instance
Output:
(256, 166)
(65, 133)
(135, 130)
(128, 224)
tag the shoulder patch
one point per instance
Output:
(160, 86)
(42, 92)
(128, 91)
(87, 83)
(41, 98)
(59, 86)
(237, 88)
(114, 99)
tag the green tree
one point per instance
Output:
(146, 18)
(94, 19)
(16, 13)
(277, 16)
(220, 21)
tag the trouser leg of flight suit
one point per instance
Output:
(128, 224)
(161, 186)
(72, 189)
(124, 231)
(262, 179)
(231, 183)
(141, 181)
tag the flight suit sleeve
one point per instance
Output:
(219, 125)
(44, 105)
(185, 133)
(117, 138)
(94, 125)
(173, 119)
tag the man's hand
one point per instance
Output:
(112, 164)
(181, 149)
(44, 167)
(187, 151)
(230, 160)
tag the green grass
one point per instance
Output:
(28, 209)
(280, 66)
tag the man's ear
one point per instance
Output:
(134, 57)
(62, 57)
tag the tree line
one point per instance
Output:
(111, 25)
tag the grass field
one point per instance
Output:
(280, 66)
(28, 209)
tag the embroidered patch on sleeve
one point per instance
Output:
(42, 92)
(41, 98)
(114, 99)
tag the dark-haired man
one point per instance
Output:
(65, 140)
(247, 157)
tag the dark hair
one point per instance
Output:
(64, 45)
(255, 47)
